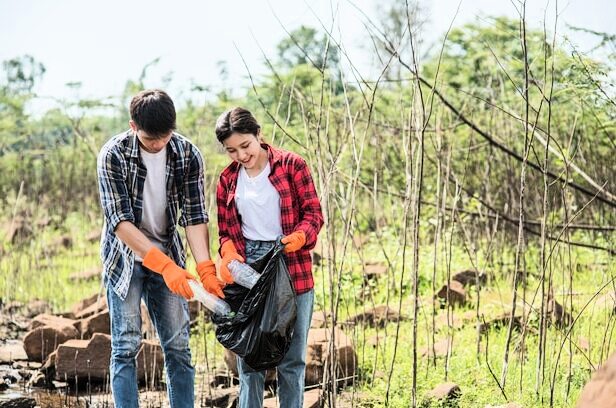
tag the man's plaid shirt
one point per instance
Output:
(121, 178)
(300, 209)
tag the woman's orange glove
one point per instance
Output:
(228, 253)
(211, 283)
(294, 241)
(175, 277)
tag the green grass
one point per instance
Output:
(36, 270)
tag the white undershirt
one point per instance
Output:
(258, 203)
(154, 221)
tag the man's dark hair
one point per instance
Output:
(236, 120)
(153, 111)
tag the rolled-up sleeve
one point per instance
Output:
(114, 196)
(311, 217)
(193, 207)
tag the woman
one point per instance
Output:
(263, 194)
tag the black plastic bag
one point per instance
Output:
(260, 331)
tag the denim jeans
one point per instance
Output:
(169, 313)
(291, 370)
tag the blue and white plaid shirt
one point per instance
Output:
(121, 177)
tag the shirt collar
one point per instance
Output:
(133, 144)
(274, 155)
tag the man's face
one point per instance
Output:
(148, 143)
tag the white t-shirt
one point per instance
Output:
(258, 203)
(154, 221)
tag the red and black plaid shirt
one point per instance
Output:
(300, 209)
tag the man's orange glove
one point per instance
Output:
(211, 283)
(294, 241)
(175, 277)
(228, 253)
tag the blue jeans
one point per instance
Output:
(292, 369)
(169, 313)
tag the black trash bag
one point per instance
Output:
(260, 331)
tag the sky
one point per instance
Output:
(102, 44)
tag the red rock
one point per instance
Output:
(43, 340)
(97, 323)
(456, 293)
(600, 391)
(318, 352)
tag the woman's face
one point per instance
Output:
(245, 148)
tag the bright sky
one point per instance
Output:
(104, 43)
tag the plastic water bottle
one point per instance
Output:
(208, 300)
(243, 274)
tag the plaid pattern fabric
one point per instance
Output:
(121, 178)
(299, 207)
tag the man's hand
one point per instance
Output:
(211, 283)
(175, 277)
(294, 241)
(228, 253)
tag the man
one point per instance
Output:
(149, 176)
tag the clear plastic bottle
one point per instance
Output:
(243, 274)
(208, 300)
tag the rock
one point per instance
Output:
(379, 316)
(584, 344)
(93, 236)
(84, 303)
(12, 350)
(375, 341)
(456, 294)
(45, 319)
(147, 326)
(374, 270)
(43, 340)
(600, 391)
(558, 315)
(469, 277)
(9, 375)
(87, 274)
(231, 363)
(37, 380)
(444, 391)
(13, 307)
(320, 319)
(222, 379)
(222, 397)
(439, 349)
(90, 359)
(195, 309)
(607, 301)
(99, 305)
(50, 362)
(27, 365)
(64, 241)
(501, 321)
(318, 354)
(19, 402)
(150, 362)
(36, 307)
(18, 230)
(312, 398)
(97, 323)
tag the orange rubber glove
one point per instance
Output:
(294, 241)
(175, 277)
(228, 253)
(211, 283)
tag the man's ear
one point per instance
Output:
(133, 125)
